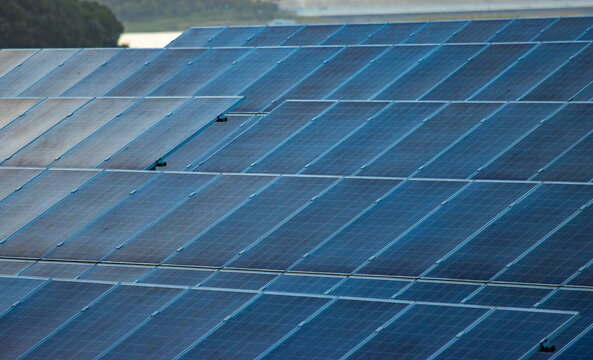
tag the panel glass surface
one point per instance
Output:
(566, 29)
(522, 30)
(116, 273)
(320, 136)
(263, 136)
(13, 179)
(543, 145)
(436, 32)
(56, 270)
(10, 109)
(353, 34)
(182, 224)
(156, 72)
(170, 133)
(251, 221)
(482, 68)
(394, 33)
(104, 142)
(513, 296)
(313, 224)
(69, 132)
(199, 72)
(437, 292)
(179, 277)
(492, 137)
(100, 237)
(429, 72)
(11, 58)
(435, 136)
(75, 69)
(196, 37)
(478, 31)
(311, 35)
(352, 247)
(13, 267)
(528, 71)
(586, 94)
(109, 75)
(572, 165)
(266, 320)
(521, 227)
(238, 280)
(14, 290)
(33, 69)
(369, 288)
(302, 284)
(234, 36)
(273, 35)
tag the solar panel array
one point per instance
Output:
(408, 190)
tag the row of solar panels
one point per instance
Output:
(477, 31)
(267, 76)
(534, 141)
(85, 320)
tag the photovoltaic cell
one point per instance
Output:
(109, 75)
(39, 315)
(436, 32)
(272, 35)
(185, 321)
(247, 70)
(266, 320)
(541, 146)
(433, 291)
(522, 30)
(302, 284)
(13, 267)
(409, 203)
(311, 35)
(369, 288)
(489, 139)
(36, 197)
(33, 69)
(14, 290)
(196, 37)
(369, 141)
(10, 109)
(13, 179)
(179, 226)
(394, 33)
(566, 29)
(482, 68)
(513, 296)
(156, 72)
(56, 270)
(239, 280)
(69, 132)
(263, 136)
(251, 221)
(478, 31)
(11, 58)
(26, 128)
(322, 133)
(381, 72)
(489, 252)
(199, 72)
(350, 322)
(567, 81)
(75, 69)
(419, 332)
(353, 34)
(334, 73)
(528, 71)
(120, 131)
(570, 166)
(312, 225)
(103, 324)
(234, 36)
(172, 276)
(116, 273)
(429, 72)
(283, 76)
(72, 214)
(170, 133)
(586, 94)
(584, 277)
(418, 250)
(429, 140)
(100, 237)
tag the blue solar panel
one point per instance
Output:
(103, 324)
(37, 316)
(196, 36)
(479, 31)
(429, 72)
(419, 249)
(106, 77)
(309, 227)
(369, 288)
(272, 35)
(378, 134)
(570, 166)
(436, 32)
(251, 221)
(586, 94)
(433, 291)
(302, 284)
(433, 137)
(542, 145)
(514, 296)
(155, 72)
(267, 320)
(350, 322)
(101, 236)
(353, 34)
(234, 36)
(489, 252)
(238, 280)
(263, 136)
(56, 270)
(394, 33)
(282, 77)
(13, 179)
(492, 137)
(381, 72)
(174, 276)
(409, 203)
(583, 277)
(199, 72)
(418, 332)
(185, 320)
(311, 35)
(566, 29)
(15, 290)
(12, 108)
(528, 71)
(115, 273)
(482, 68)
(11, 58)
(180, 225)
(317, 138)
(13, 267)
(522, 30)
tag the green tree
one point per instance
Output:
(57, 23)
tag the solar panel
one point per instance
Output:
(116, 273)
(353, 34)
(368, 288)
(11, 58)
(569, 166)
(13, 179)
(394, 33)
(436, 32)
(302, 284)
(566, 29)
(433, 291)
(13, 267)
(56, 270)
(513, 296)
(234, 36)
(196, 37)
(272, 35)
(10, 109)
(175, 277)
(522, 30)
(14, 290)
(479, 31)
(238, 280)
(311, 35)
